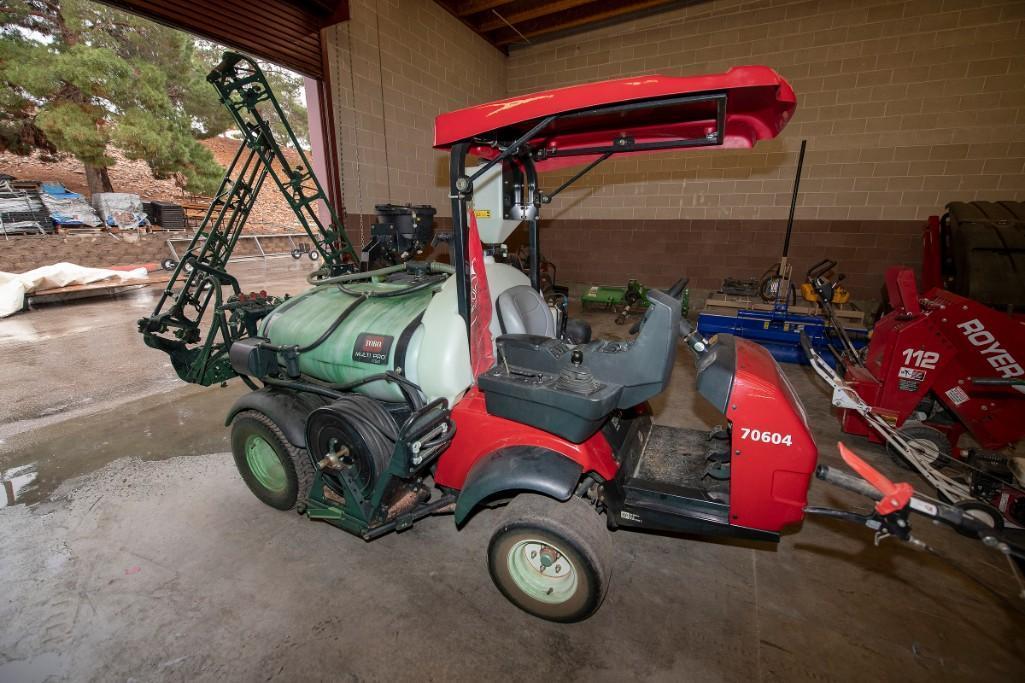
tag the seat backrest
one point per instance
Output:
(522, 310)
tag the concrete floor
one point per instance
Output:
(134, 552)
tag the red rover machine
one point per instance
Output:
(943, 385)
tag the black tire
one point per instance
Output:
(983, 512)
(297, 254)
(168, 264)
(294, 462)
(314, 255)
(928, 437)
(575, 533)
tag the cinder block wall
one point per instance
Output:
(19, 254)
(395, 66)
(906, 106)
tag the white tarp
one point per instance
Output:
(14, 286)
(120, 209)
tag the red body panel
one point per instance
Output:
(760, 104)
(937, 349)
(479, 433)
(768, 481)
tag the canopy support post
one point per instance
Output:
(457, 170)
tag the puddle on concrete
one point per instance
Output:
(182, 422)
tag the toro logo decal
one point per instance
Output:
(372, 348)
(990, 348)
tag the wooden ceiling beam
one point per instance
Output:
(465, 9)
(584, 18)
(537, 12)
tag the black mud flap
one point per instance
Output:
(517, 469)
(287, 409)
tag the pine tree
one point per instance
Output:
(77, 77)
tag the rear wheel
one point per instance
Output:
(275, 471)
(925, 440)
(551, 559)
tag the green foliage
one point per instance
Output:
(77, 76)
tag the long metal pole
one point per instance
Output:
(793, 199)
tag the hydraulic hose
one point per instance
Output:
(334, 326)
(277, 348)
(383, 294)
(433, 266)
(350, 277)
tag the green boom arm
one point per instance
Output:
(174, 326)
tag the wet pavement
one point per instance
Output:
(135, 552)
(80, 388)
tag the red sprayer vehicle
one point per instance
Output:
(382, 397)
(943, 385)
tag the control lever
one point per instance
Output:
(692, 338)
(675, 291)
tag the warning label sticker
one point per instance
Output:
(372, 348)
(482, 213)
(957, 395)
(911, 373)
(908, 385)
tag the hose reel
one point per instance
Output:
(354, 434)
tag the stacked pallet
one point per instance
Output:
(167, 215)
(69, 210)
(22, 211)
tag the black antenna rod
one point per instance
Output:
(793, 199)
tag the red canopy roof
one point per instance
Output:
(759, 104)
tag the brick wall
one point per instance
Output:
(705, 250)
(19, 254)
(395, 66)
(906, 105)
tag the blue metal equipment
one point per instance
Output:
(771, 316)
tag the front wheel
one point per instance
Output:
(551, 559)
(926, 441)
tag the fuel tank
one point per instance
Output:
(419, 334)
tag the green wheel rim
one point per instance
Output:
(264, 463)
(542, 571)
